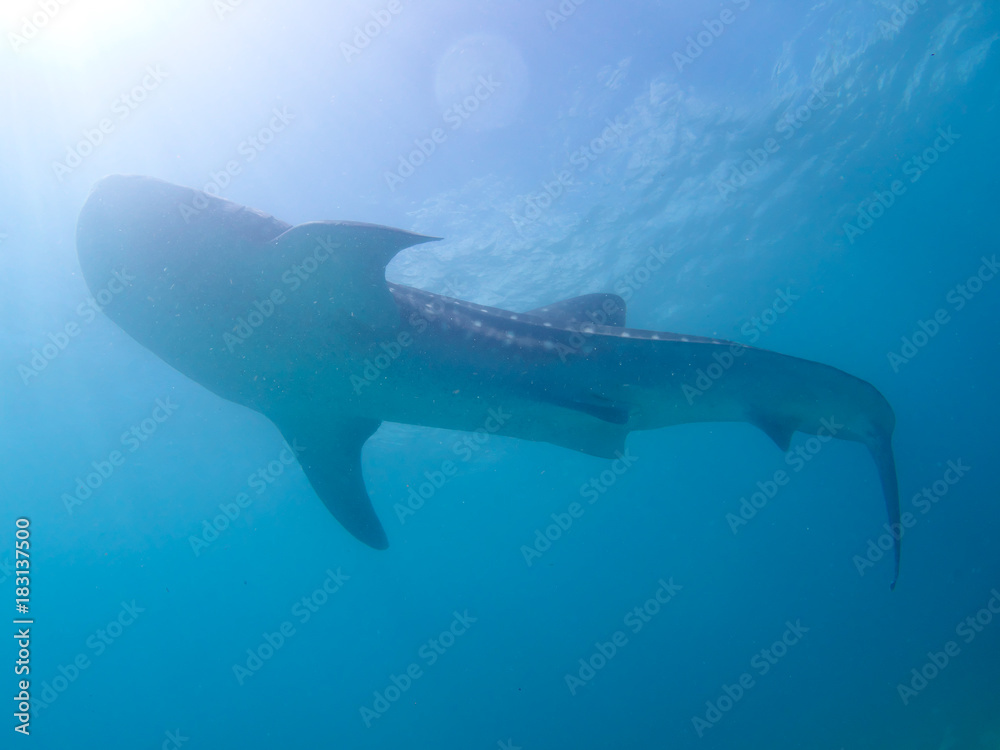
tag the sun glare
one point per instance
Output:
(71, 31)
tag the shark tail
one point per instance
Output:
(880, 447)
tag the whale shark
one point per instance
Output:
(299, 324)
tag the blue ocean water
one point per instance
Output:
(816, 179)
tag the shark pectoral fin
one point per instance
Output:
(881, 450)
(594, 405)
(343, 263)
(598, 440)
(602, 444)
(778, 429)
(331, 460)
(602, 309)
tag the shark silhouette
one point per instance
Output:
(299, 324)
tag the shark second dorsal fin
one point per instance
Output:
(344, 264)
(331, 459)
(597, 309)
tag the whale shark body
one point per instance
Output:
(299, 324)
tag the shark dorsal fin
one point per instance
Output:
(599, 309)
(343, 264)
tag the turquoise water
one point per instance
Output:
(818, 180)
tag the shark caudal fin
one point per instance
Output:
(881, 449)
(879, 444)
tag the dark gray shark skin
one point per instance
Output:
(299, 324)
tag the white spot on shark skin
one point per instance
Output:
(484, 310)
(477, 323)
(548, 345)
(509, 334)
(547, 325)
(513, 317)
(655, 337)
(684, 338)
(626, 335)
